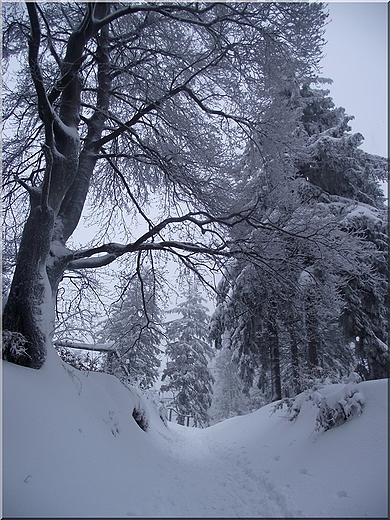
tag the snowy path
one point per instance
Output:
(210, 478)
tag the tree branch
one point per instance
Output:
(44, 107)
(129, 192)
(137, 117)
(47, 177)
(49, 38)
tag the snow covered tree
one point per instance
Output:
(134, 328)
(332, 159)
(296, 312)
(228, 398)
(350, 176)
(112, 105)
(364, 319)
(188, 351)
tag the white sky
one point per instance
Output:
(357, 62)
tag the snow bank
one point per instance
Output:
(71, 447)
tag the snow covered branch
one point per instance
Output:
(82, 258)
(100, 347)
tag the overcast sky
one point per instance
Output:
(357, 61)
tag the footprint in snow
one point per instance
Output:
(305, 471)
(342, 494)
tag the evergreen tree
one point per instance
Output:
(364, 319)
(229, 399)
(187, 374)
(332, 159)
(134, 329)
(349, 176)
(323, 269)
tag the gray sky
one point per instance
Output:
(357, 61)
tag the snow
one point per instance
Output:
(72, 448)
(364, 210)
(100, 347)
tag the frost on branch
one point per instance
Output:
(333, 410)
(14, 346)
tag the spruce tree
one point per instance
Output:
(348, 178)
(323, 276)
(188, 351)
(229, 398)
(134, 328)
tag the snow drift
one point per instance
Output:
(72, 447)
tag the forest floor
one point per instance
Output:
(72, 448)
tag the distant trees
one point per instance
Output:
(134, 329)
(125, 106)
(228, 399)
(308, 308)
(187, 375)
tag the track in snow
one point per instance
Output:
(208, 478)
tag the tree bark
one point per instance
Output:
(30, 295)
(295, 361)
(274, 341)
(180, 419)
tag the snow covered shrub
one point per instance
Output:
(293, 406)
(80, 360)
(333, 410)
(14, 345)
(141, 418)
(352, 378)
(333, 414)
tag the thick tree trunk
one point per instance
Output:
(180, 419)
(312, 350)
(56, 207)
(30, 301)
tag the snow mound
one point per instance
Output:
(82, 444)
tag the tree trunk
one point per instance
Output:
(312, 350)
(274, 340)
(311, 333)
(295, 362)
(29, 309)
(57, 205)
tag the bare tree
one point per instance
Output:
(118, 104)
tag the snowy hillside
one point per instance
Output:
(72, 448)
